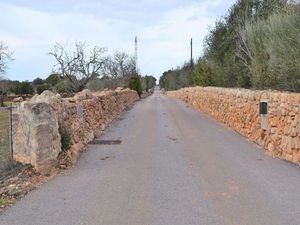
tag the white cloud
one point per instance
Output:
(163, 34)
(168, 43)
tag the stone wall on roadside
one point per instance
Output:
(38, 124)
(239, 109)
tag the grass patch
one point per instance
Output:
(5, 202)
(4, 115)
(7, 104)
(4, 140)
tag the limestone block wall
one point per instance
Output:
(239, 109)
(39, 123)
(85, 116)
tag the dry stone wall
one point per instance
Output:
(38, 124)
(239, 109)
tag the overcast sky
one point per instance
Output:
(164, 27)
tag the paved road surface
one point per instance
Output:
(175, 166)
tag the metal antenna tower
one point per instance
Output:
(136, 54)
(192, 60)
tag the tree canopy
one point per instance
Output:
(255, 45)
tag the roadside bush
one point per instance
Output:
(53, 79)
(37, 81)
(148, 82)
(65, 138)
(136, 85)
(63, 87)
(176, 78)
(42, 87)
(201, 75)
(274, 49)
(23, 88)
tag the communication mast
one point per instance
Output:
(136, 54)
(192, 60)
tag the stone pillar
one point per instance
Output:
(36, 138)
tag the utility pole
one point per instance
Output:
(192, 61)
(136, 54)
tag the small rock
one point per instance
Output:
(83, 95)
(12, 187)
(118, 89)
(19, 99)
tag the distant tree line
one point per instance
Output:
(256, 45)
(76, 69)
(26, 88)
(91, 68)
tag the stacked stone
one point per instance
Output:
(239, 109)
(38, 123)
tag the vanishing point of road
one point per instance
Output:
(174, 166)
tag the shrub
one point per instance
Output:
(136, 85)
(42, 87)
(65, 138)
(53, 79)
(274, 47)
(23, 88)
(63, 87)
(201, 76)
(37, 81)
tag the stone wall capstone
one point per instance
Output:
(38, 123)
(239, 109)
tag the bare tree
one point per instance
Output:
(125, 64)
(79, 65)
(119, 68)
(5, 56)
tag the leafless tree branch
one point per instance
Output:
(79, 65)
(5, 56)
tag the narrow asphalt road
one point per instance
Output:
(175, 166)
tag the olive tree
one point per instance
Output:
(80, 65)
(119, 68)
(119, 65)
